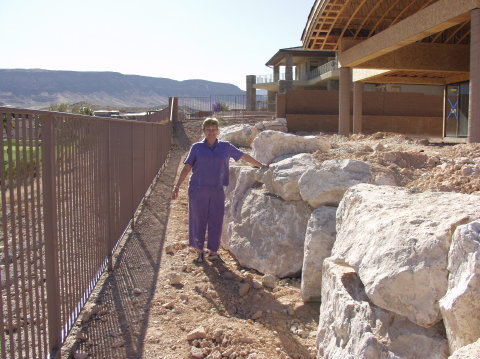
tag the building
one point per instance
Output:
(430, 42)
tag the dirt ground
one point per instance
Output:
(158, 304)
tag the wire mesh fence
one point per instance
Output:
(70, 185)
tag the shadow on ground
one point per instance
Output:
(262, 299)
(121, 302)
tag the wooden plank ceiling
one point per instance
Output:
(331, 20)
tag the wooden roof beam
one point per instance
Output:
(424, 56)
(437, 17)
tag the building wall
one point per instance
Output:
(408, 113)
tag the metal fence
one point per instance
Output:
(70, 186)
(205, 106)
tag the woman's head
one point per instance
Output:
(210, 129)
(210, 121)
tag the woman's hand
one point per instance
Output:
(253, 161)
(175, 192)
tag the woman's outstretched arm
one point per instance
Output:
(253, 161)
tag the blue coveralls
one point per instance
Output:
(206, 195)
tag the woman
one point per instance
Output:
(209, 162)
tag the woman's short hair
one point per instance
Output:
(210, 121)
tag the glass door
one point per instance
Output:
(456, 114)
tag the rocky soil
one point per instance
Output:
(158, 304)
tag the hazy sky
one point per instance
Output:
(216, 40)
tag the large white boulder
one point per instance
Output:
(239, 135)
(461, 305)
(279, 124)
(398, 241)
(471, 351)
(269, 145)
(325, 184)
(319, 239)
(241, 179)
(267, 233)
(351, 327)
(282, 176)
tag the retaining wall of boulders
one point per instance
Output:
(397, 271)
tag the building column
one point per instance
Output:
(284, 85)
(271, 95)
(344, 101)
(276, 73)
(357, 106)
(289, 68)
(251, 95)
(474, 106)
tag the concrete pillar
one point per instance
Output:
(284, 85)
(357, 106)
(344, 101)
(251, 96)
(474, 109)
(271, 101)
(276, 73)
(289, 68)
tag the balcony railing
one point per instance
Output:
(319, 71)
(323, 69)
(265, 79)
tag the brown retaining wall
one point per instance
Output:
(409, 113)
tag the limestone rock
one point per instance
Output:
(269, 281)
(319, 239)
(279, 124)
(471, 351)
(325, 184)
(197, 353)
(238, 135)
(268, 233)
(258, 314)
(282, 176)
(271, 144)
(398, 241)
(461, 305)
(197, 333)
(243, 289)
(351, 327)
(241, 180)
(175, 278)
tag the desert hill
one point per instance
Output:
(36, 88)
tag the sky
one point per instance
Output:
(215, 40)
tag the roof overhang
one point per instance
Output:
(299, 54)
(377, 34)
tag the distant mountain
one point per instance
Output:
(37, 88)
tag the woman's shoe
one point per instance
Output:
(199, 258)
(213, 256)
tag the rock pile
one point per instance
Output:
(397, 270)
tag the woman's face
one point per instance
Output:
(211, 133)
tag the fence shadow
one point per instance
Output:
(118, 322)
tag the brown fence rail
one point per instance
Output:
(70, 186)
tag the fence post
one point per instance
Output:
(109, 241)
(51, 240)
(132, 149)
